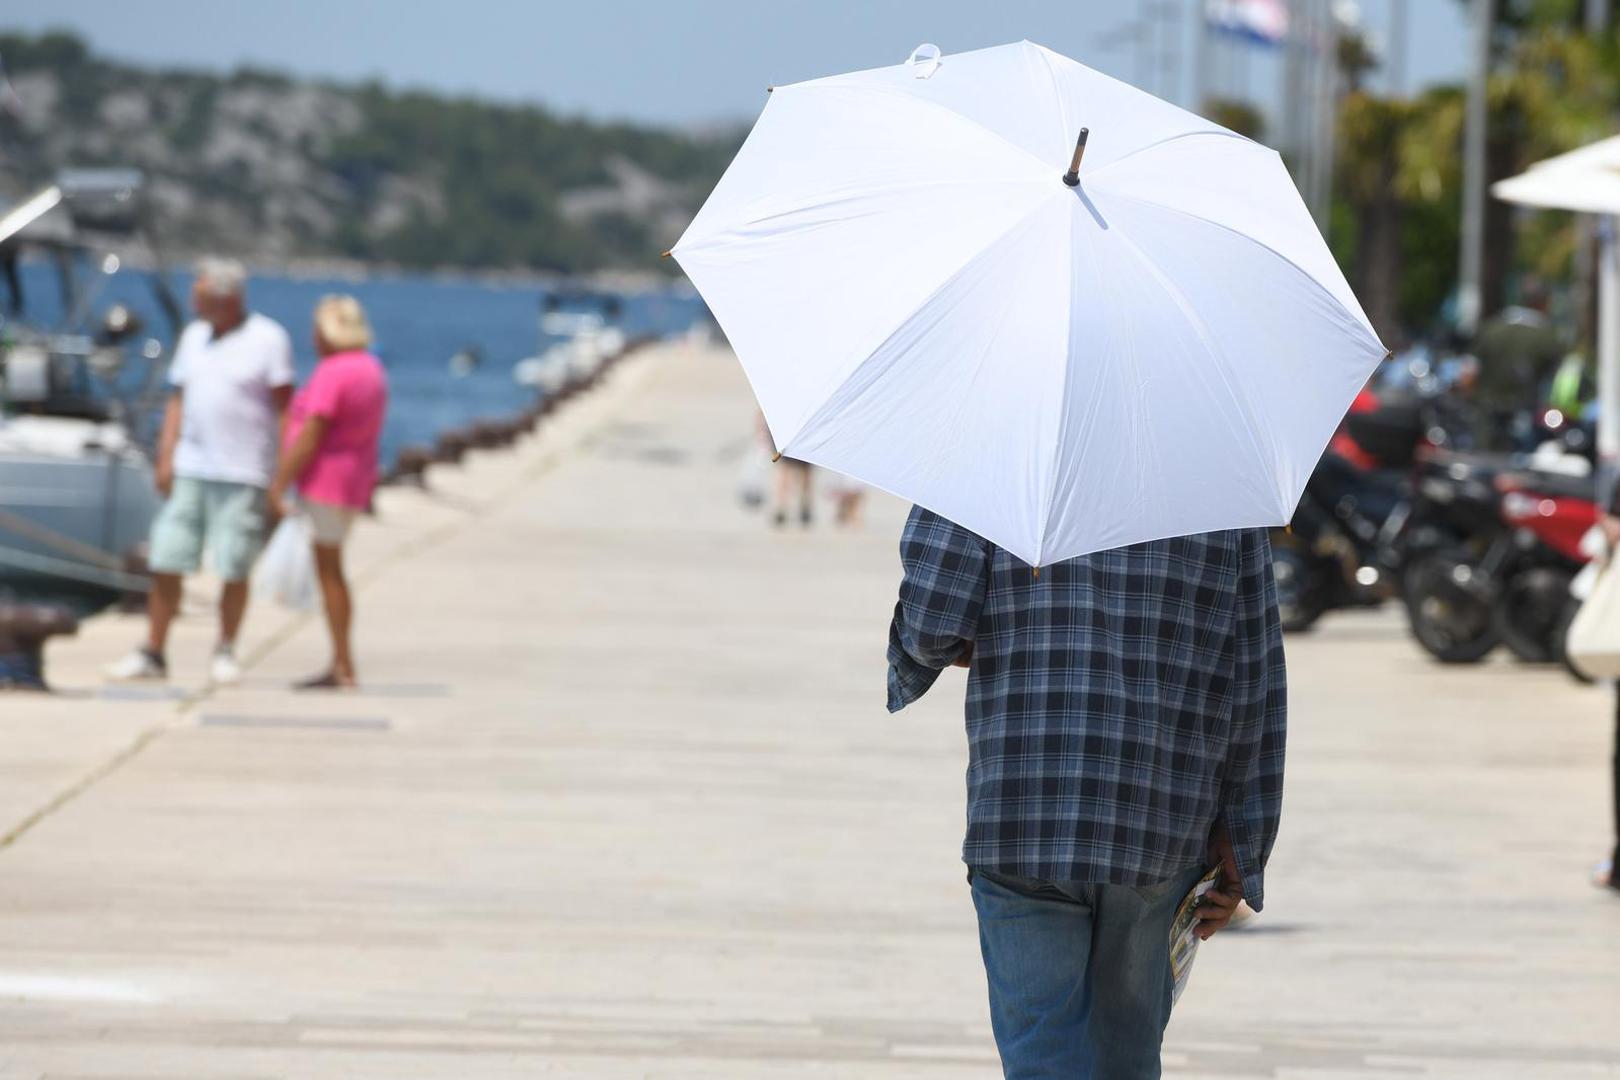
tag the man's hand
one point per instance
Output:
(168, 438)
(1218, 905)
(965, 657)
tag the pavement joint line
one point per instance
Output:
(604, 400)
(86, 782)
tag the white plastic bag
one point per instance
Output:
(1593, 642)
(286, 569)
(751, 480)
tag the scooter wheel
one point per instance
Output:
(1449, 610)
(1561, 635)
(1528, 614)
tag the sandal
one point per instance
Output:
(327, 681)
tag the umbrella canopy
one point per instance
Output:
(921, 302)
(1587, 179)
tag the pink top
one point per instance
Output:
(351, 392)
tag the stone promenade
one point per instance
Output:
(620, 799)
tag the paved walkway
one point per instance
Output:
(621, 800)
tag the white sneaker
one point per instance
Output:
(140, 664)
(224, 670)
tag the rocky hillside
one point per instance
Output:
(274, 168)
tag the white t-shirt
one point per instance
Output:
(228, 426)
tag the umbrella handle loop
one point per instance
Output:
(924, 61)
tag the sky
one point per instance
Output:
(689, 64)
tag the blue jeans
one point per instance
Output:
(1079, 974)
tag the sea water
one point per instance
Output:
(420, 322)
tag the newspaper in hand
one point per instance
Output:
(1184, 933)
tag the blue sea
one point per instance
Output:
(420, 321)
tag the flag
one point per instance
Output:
(1263, 22)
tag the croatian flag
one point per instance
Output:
(1264, 22)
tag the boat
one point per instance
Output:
(78, 399)
(582, 323)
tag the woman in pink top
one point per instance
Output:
(329, 453)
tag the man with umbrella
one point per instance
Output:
(1126, 718)
(1102, 384)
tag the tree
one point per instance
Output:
(1371, 131)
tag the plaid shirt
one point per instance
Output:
(1118, 704)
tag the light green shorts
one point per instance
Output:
(229, 517)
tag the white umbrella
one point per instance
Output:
(1587, 180)
(921, 301)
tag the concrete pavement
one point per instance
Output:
(620, 799)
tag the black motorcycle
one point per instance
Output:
(1335, 553)
(1440, 550)
(1490, 554)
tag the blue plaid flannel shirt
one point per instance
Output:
(1118, 704)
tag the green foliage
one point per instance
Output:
(54, 50)
(1552, 89)
(196, 117)
(484, 182)
(1239, 116)
(1430, 234)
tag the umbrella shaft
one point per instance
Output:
(1072, 177)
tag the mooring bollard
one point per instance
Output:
(451, 446)
(24, 629)
(488, 434)
(410, 466)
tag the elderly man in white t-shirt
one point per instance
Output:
(230, 383)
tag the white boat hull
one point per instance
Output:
(93, 493)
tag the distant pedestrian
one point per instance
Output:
(229, 385)
(1519, 352)
(1608, 871)
(1608, 874)
(330, 457)
(1126, 714)
(849, 495)
(794, 488)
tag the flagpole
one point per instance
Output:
(1606, 345)
(1471, 254)
(1200, 57)
(1171, 11)
(1397, 48)
(1288, 136)
(1142, 59)
(1608, 356)
(1330, 110)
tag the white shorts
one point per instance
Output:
(329, 523)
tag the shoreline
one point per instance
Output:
(336, 268)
